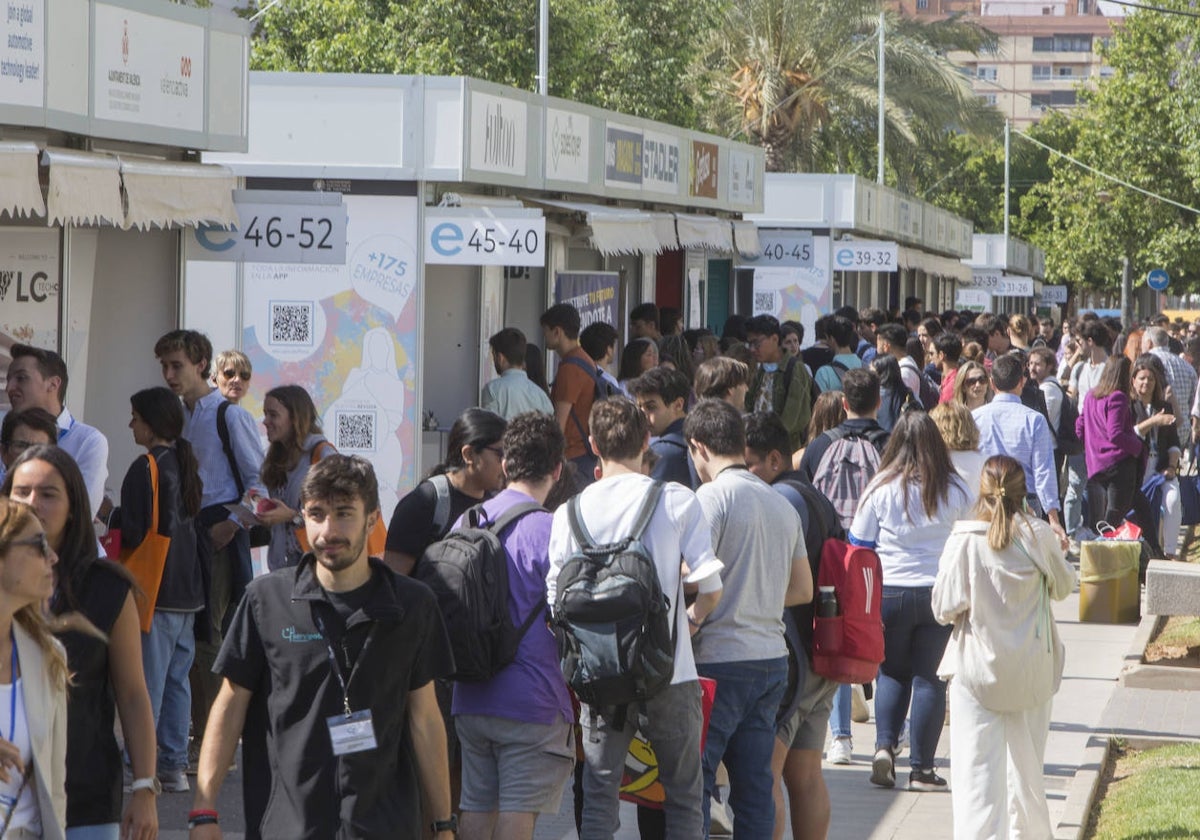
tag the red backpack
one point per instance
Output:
(849, 647)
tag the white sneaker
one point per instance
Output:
(859, 712)
(840, 751)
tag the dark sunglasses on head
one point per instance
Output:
(235, 374)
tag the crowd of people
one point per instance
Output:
(966, 451)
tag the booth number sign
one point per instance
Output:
(279, 233)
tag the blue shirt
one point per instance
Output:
(89, 447)
(673, 461)
(1006, 427)
(512, 393)
(200, 430)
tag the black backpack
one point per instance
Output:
(616, 639)
(468, 572)
(1065, 439)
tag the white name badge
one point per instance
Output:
(351, 733)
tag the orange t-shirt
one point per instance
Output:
(574, 385)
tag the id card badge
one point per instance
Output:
(351, 733)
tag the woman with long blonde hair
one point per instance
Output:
(973, 385)
(33, 683)
(1004, 661)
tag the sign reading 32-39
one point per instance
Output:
(481, 238)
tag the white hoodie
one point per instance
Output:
(1005, 648)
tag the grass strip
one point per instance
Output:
(1151, 794)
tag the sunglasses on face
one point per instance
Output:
(235, 374)
(975, 380)
(40, 542)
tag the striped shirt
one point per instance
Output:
(1008, 428)
(200, 430)
(1181, 376)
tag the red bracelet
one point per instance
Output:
(203, 812)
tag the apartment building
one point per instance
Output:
(1046, 50)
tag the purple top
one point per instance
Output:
(1105, 425)
(531, 688)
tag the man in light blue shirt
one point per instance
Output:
(1006, 427)
(512, 393)
(841, 337)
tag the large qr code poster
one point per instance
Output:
(347, 333)
(796, 294)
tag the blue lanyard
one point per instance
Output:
(12, 707)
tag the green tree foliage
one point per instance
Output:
(1133, 127)
(626, 55)
(799, 78)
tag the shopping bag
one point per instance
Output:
(1189, 490)
(1108, 580)
(1127, 530)
(111, 543)
(146, 562)
(639, 780)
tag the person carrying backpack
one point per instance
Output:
(841, 337)
(608, 512)
(515, 725)
(782, 383)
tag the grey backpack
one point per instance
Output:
(849, 463)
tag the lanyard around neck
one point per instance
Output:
(12, 707)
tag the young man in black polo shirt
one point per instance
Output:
(343, 652)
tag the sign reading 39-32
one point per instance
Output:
(866, 255)
(473, 236)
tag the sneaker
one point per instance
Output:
(883, 768)
(174, 781)
(840, 751)
(859, 713)
(902, 742)
(926, 780)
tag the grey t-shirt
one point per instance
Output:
(757, 534)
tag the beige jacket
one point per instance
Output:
(47, 706)
(1005, 648)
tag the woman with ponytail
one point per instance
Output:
(104, 655)
(1004, 662)
(33, 683)
(160, 499)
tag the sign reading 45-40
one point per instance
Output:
(478, 236)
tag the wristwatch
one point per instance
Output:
(298, 520)
(150, 783)
(450, 825)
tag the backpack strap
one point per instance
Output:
(512, 515)
(441, 510)
(318, 449)
(578, 530)
(227, 446)
(646, 513)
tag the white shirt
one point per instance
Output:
(969, 466)
(89, 447)
(26, 815)
(911, 376)
(677, 531)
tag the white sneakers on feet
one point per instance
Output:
(840, 751)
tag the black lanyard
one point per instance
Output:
(334, 662)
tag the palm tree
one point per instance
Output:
(799, 78)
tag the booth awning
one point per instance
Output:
(85, 188)
(707, 232)
(946, 267)
(621, 230)
(165, 194)
(20, 190)
(745, 238)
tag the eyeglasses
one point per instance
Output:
(755, 342)
(235, 374)
(40, 542)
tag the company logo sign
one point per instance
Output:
(622, 156)
(498, 127)
(703, 173)
(567, 145)
(660, 162)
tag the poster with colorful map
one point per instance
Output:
(348, 333)
(797, 294)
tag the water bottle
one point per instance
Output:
(827, 603)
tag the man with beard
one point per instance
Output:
(343, 652)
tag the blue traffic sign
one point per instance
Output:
(1158, 279)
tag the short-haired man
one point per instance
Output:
(662, 395)
(643, 322)
(516, 729)
(512, 393)
(996, 328)
(947, 350)
(599, 341)
(574, 388)
(781, 385)
(1006, 427)
(185, 357)
(723, 378)
(670, 321)
(1095, 345)
(841, 338)
(869, 322)
(37, 378)
(915, 304)
(23, 428)
(893, 339)
(860, 399)
(342, 652)
(1180, 376)
(741, 645)
(671, 719)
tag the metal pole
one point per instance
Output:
(544, 47)
(1126, 293)
(882, 110)
(1007, 149)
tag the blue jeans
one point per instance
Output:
(839, 718)
(741, 732)
(913, 644)
(167, 654)
(104, 831)
(1073, 508)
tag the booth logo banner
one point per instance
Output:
(29, 284)
(703, 173)
(866, 255)
(484, 239)
(660, 162)
(743, 178)
(567, 137)
(1054, 294)
(313, 234)
(23, 53)
(975, 300)
(147, 70)
(622, 156)
(593, 293)
(497, 131)
(783, 248)
(1014, 287)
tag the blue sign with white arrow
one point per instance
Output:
(1158, 279)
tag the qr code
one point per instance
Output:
(356, 431)
(291, 323)
(764, 302)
